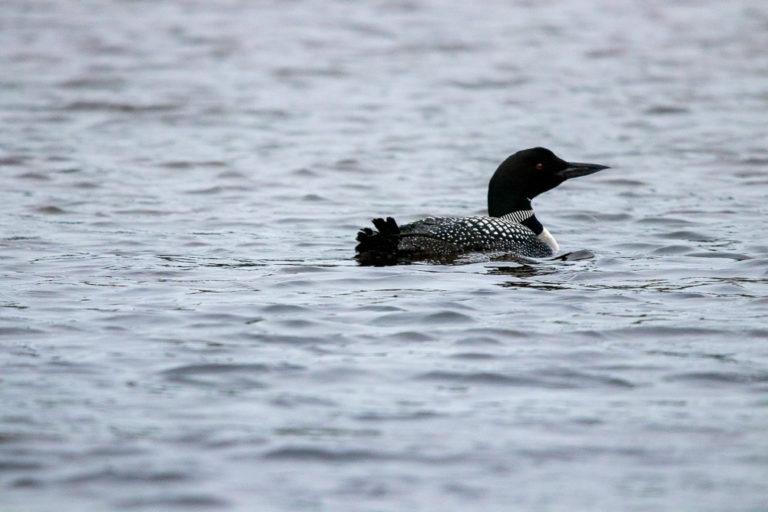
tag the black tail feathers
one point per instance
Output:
(379, 247)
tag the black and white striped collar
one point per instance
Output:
(518, 216)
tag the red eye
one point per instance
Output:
(539, 166)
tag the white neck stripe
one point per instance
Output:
(518, 216)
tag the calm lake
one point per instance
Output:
(183, 327)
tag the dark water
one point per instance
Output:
(182, 327)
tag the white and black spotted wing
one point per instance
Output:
(450, 236)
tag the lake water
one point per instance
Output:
(182, 326)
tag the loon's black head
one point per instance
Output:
(528, 173)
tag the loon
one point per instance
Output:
(510, 227)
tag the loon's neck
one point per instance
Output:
(501, 204)
(521, 211)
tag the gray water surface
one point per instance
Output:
(182, 326)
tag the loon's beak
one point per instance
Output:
(576, 170)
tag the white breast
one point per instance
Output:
(546, 237)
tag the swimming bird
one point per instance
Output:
(510, 226)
